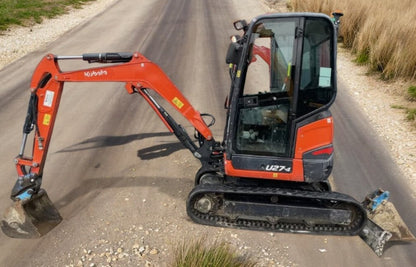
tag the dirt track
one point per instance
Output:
(119, 179)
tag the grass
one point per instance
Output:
(410, 112)
(411, 91)
(382, 34)
(26, 12)
(398, 107)
(362, 57)
(219, 254)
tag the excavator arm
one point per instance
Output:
(139, 74)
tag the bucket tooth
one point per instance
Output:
(32, 218)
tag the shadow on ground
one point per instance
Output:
(108, 140)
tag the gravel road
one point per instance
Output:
(19, 41)
(131, 213)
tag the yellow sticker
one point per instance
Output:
(289, 68)
(238, 73)
(46, 119)
(275, 175)
(177, 102)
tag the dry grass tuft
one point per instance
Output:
(218, 254)
(381, 33)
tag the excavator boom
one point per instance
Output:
(139, 75)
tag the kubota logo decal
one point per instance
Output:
(94, 73)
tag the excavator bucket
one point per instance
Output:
(384, 222)
(32, 218)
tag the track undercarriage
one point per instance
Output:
(276, 209)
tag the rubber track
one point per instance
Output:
(325, 229)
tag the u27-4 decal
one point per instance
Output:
(278, 168)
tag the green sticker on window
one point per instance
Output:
(325, 77)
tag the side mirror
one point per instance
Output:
(336, 15)
(240, 25)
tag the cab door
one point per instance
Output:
(268, 107)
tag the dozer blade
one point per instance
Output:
(375, 237)
(388, 218)
(30, 218)
(384, 222)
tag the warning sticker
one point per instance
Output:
(46, 119)
(177, 102)
(47, 102)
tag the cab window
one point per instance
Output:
(316, 81)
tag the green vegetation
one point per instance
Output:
(397, 107)
(410, 112)
(25, 12)
(362, 58)
(412, 92)
(198, 253)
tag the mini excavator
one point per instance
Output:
(271, 170)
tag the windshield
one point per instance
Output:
(271, 57)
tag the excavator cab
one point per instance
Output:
(284, 84)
